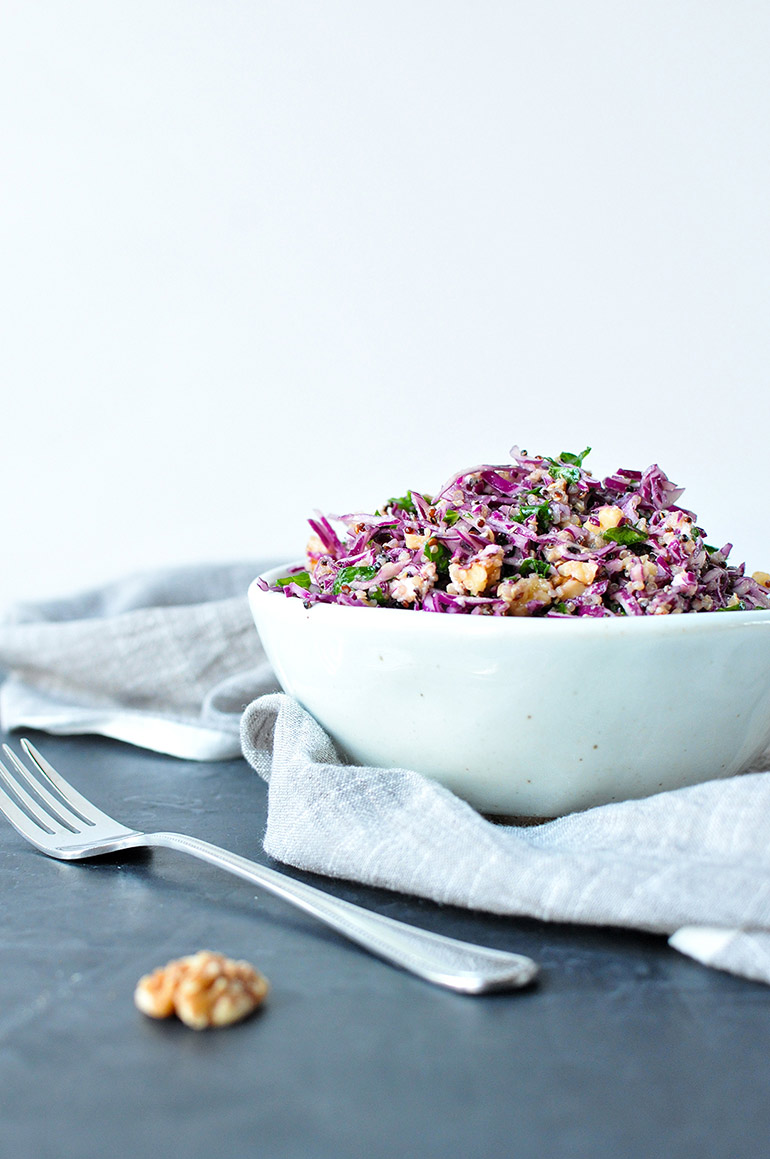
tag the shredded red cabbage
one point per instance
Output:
(537, 537)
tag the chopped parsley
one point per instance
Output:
(405, 502)
(301, 579)
(576, 460)
(568, 465)
(529, 565)
(541, 511)
(628, 537)
(437, 553)
(348, 575)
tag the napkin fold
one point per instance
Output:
(166, 660)
(171, 661)
(693, 863)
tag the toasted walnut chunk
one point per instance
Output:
(585, 573)
(601, 520)
(518, 594)
(155, 993)
(481, 572)
(570, 589)
(203, 989)
(609, 516)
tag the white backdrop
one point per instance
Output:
(262, 256)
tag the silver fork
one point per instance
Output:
(58, 820)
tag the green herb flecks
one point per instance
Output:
(568, 465)
(301, 579)
(405, 502)
(576, 460)
(541, 511)
(451, 516)
(437, 553)
(349, 575)
(628, 537)
(529, 566)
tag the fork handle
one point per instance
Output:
(445, 961)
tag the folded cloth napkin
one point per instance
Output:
(170, 661)
(166, 660)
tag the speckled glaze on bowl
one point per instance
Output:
(528, 717)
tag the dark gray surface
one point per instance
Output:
(623, 1048)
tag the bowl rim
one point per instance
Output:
(418, 620)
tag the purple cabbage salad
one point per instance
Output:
(536, 537)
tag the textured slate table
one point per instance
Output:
(623, 1048)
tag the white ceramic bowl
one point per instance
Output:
(528, 717)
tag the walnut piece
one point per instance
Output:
(518, 593)
(204, 989)
(482, 570)
(584, 573)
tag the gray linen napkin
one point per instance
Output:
(169, 661)
(166, 660)
(693, 864)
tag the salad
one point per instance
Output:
(536, 537)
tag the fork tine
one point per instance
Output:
(19, 819)
(86, 810)
(39, 818)
(55, 806)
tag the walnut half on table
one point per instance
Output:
(205, 989)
